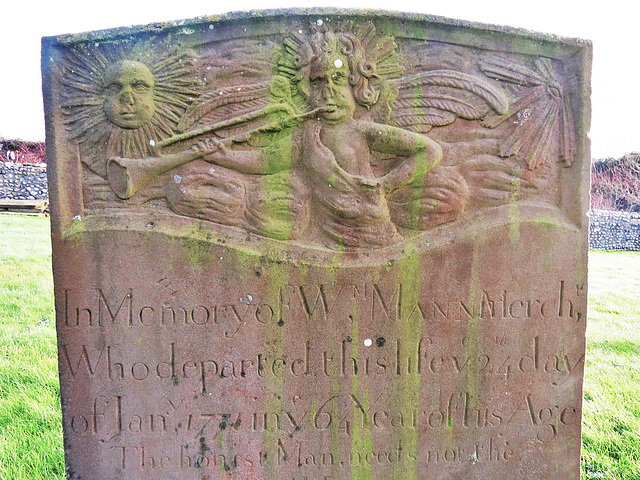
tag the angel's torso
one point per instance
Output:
(349, 146)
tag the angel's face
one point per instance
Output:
(329, 88)
(129, 101)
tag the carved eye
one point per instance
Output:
(339, 78)
(113, 88)
(141, 87)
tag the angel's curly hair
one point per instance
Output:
(371, 57)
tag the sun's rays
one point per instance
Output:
(84, 93)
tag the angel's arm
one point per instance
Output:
(421, 152)
(276, 157)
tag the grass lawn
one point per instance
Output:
(611, 436)
(30, 428)
(30, 432)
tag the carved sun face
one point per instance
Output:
(129, 90)
(118, 104)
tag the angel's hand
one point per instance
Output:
(389, 183)
(494, 181)
(371, 188)
(369, 183)
(210, 150)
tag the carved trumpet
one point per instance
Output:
(128, 175)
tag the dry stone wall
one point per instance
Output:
(23, 182)
(613, 230)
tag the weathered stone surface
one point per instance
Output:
(319, 245)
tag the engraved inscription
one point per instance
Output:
(306, 303)
(544, 421)
(397, 360)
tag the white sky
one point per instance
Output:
(612, 26)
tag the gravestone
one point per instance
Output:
(319, 244)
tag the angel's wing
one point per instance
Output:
(240, 92)
(436, 98)
(224, 103)
(234, 111)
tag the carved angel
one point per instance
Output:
(334, 149)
